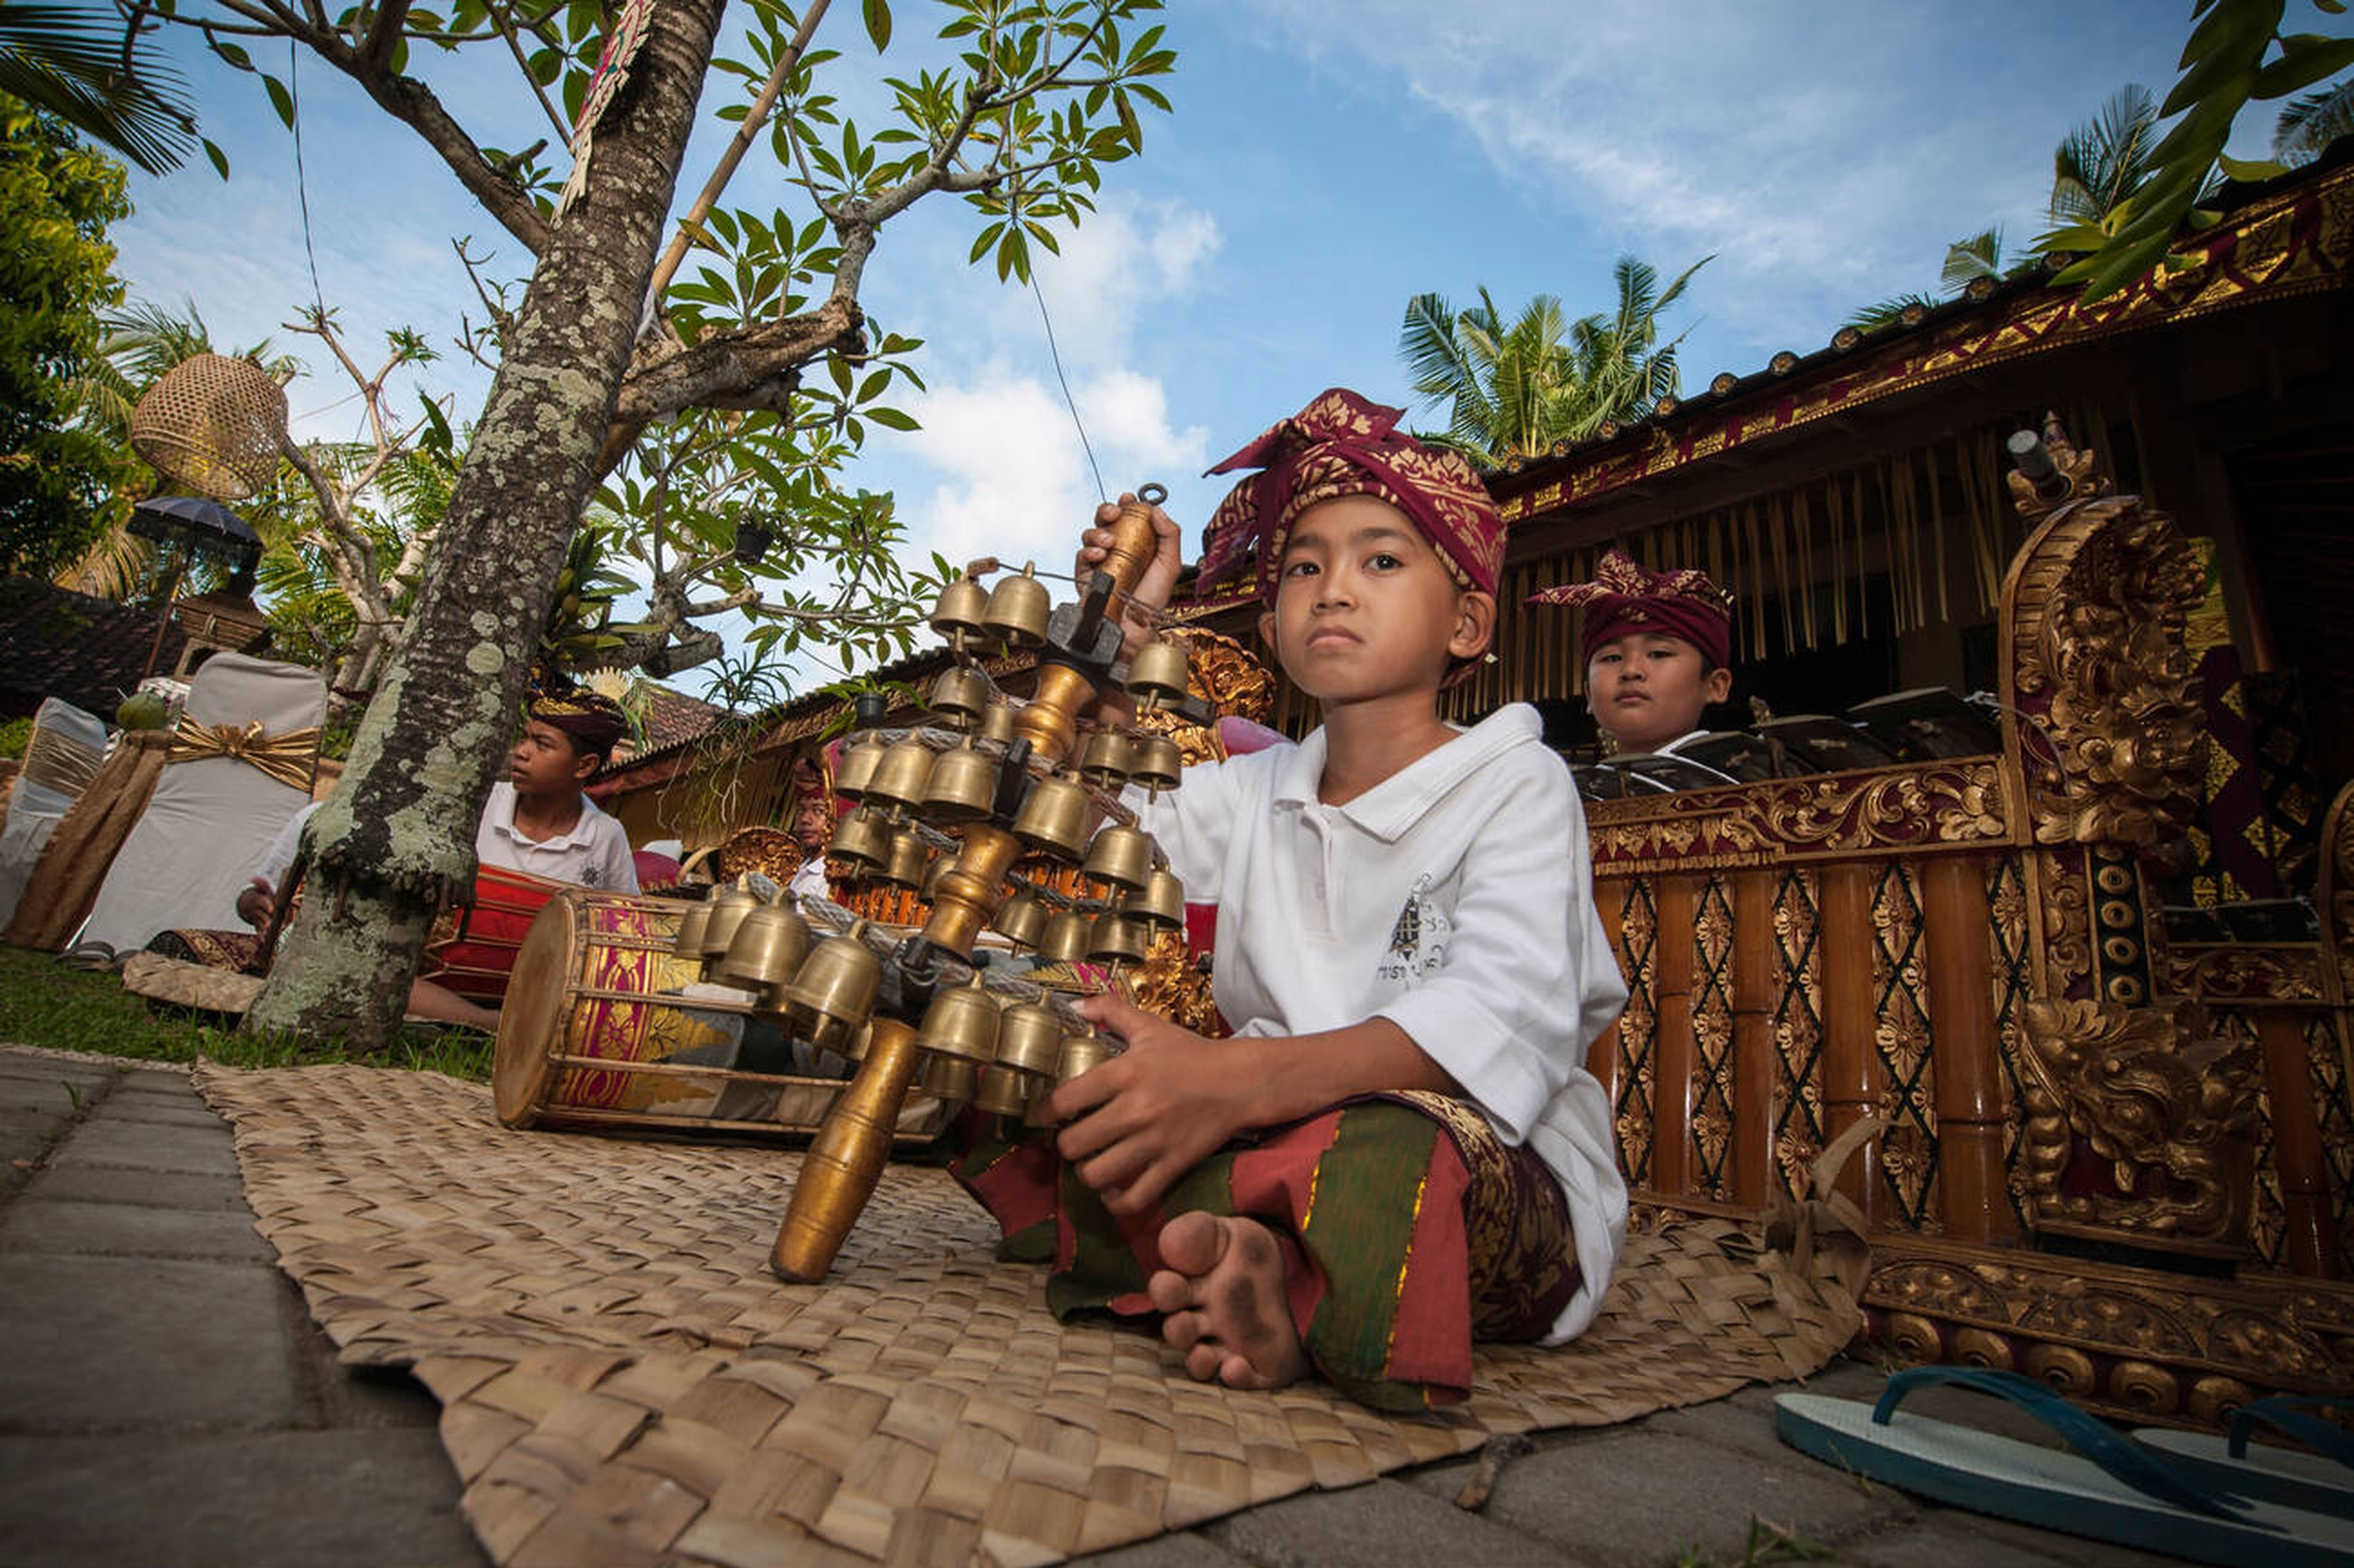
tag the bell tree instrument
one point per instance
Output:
(952, 808)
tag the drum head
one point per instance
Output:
(531, 1022)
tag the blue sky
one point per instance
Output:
(1327, 158)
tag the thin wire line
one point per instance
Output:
(301, 185)
(1039, 294)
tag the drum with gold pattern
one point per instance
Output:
(602, 1028)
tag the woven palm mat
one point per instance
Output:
(623, 1381)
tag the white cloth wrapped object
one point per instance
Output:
(61, 755)
(210, 821)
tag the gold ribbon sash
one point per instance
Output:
(286, 757)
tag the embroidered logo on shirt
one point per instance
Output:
(1418, 941)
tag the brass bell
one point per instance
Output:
(861, 840)
(1116, 940)
(688, 943)
(1080, 1053)
(906, 866)
(1030, 1038)
(1065, 938)
(766, 952)
(1121, 856)
(1004, 1093)
(859, 760)
(962, 787)
(835, 991)
(962, 1022)
(1055, 818)
(959, 612)
(961, 693)
(1160, 903)
(899, 779)
(1157, 675)
(1155, 763)
(946, 1078)
(1105, 762)
(856, 1047)
(1018, 609)
(997, 722)
(1020, 920)
(727, 912)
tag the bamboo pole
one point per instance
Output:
(1675, 1050)
(1850, 1065)
(1957, 920)
(2310, 1239)
(1752, 1037)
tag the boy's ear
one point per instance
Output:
(1266, 631)
(1475, 625)
(1717, 684)
(585, 765)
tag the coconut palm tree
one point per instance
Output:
(1966, 260)
(2311, 120)
(74, 61)
(2100, 163)
(1514, 389)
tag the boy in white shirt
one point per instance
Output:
(1399, 1149)
(538, 819)
(1656, 645)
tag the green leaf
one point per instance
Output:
(878, 24)
(220, 158)
(2248, 172)
(894, 419)
(232, 54)
(2305, 58)
(280, 99)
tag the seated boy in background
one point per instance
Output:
(537, 821)
(1399, 1150)
(1656, 646)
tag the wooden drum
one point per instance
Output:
(472, 951)
(596, 1033)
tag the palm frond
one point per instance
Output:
(70, 60)
(2311, 121)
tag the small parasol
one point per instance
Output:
(195, 522)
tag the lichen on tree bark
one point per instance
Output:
(399, 832)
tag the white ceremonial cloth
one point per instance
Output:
(594, 854)
(210, 822)
(35, 806)
(1455, 899)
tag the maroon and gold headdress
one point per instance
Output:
(1624, 598)
(1341, 444)
(595, 721)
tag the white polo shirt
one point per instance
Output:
(1455, 899)
(594, 854)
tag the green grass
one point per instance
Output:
(44, 1002)
(1768, 1545)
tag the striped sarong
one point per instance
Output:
(1408, 1229)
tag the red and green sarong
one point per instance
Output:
(1408, 1229)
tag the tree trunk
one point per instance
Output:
(400, 828)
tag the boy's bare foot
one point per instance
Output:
(1223, 1302)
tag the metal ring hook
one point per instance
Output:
(1153, 494)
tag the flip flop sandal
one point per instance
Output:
(2111, 1489)
(2321, 1482)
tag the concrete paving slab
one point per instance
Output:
(132, 1146)
(358, 1499)
(184, 1190)
(1621, 1495)
(40, 1225)
(99, 1343)
(22, 1133)
(1397, 1524)
(158, 1110)
(1955, 1543)
(15, 1066)
(52, 1095)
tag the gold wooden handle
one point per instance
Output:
(846, 1157)
(1133, 541)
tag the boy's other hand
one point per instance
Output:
(1146, 1117)
(1159, 578)
(256, 902)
